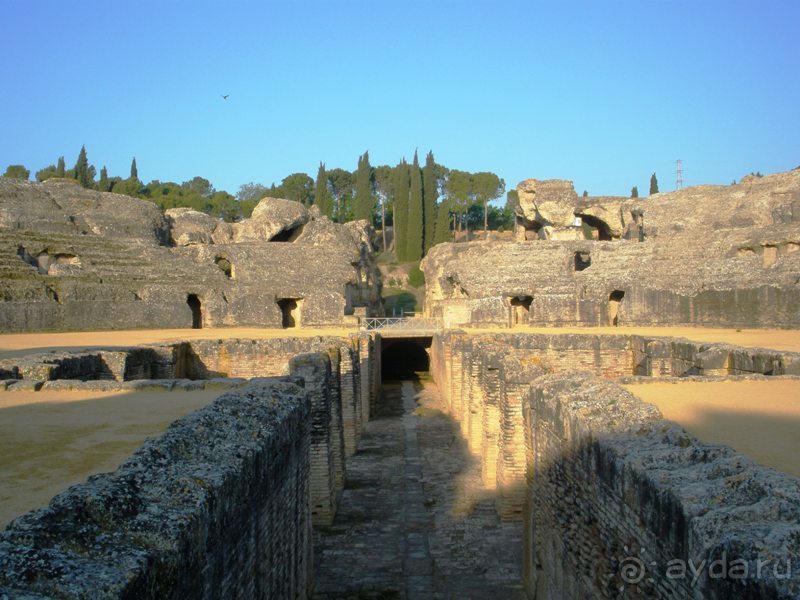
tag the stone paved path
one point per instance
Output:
(414, 521)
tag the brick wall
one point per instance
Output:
(601, 483)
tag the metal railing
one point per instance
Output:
(400, 324)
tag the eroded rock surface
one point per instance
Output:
(73, 259)
(189, 226)
(707, 255)
(547, 202)
(270, 218)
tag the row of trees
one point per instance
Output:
(197, 193)
(422, 203)
(425, 204)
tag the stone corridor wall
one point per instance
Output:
(222, 504)
(602, 483)
(216, 507)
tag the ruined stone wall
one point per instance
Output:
(708, 255)
(619, 499)
(338, 398)
(76, 259)
(244, 477)
(599, 480)
(216, 507)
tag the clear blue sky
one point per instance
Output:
(601, 92)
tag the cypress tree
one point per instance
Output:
(442, 230)
(134, 170)
(634, 192)
(653, 184)
(322, 197)
(401, 188)
(430, 194)
(102, 185)
(416, 226)
(82, 169)
(61, 169)
(365, 202)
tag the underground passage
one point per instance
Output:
(414, 497)
(403, 358)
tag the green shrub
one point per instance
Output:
(416, 278)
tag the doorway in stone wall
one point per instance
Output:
(614, 300)
(290, 311)
(197, 310)
(520, 310)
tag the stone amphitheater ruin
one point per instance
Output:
(514, 445)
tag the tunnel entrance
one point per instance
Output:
(290, 312)
(614, 300)
(599, 229)
(197, 312)
(402, 358)
(520, 310)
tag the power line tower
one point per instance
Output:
(678, 174)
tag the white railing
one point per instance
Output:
(400, 324)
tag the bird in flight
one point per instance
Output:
(225, 96)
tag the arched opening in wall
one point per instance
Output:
(287, 235)
(583, 260)
(197, 311)
(520, 310)
(404, 358)
(614, 300)
(599, 229)
(225, 266)
(290, 311)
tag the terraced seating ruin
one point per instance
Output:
(527, 437)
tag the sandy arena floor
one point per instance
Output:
(18, 344)
(787, 340)
(760, 419)
(50, 440)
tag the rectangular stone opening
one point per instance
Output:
(614, 300)
(582, 260)
(197, 310)
(520, 310)
(290, 311)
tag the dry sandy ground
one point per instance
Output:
(775, 339)
(760, 419)
(25, 343)
(17, 344)
(50, 440)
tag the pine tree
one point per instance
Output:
(430, 194)
(365, 201)
(634, 192)
(322, 197)
(401, 189)
(134, 170)
(82, 173)
(103, 185)
(653, 184)
(442, 229)
(415, 240)
(61, 168)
